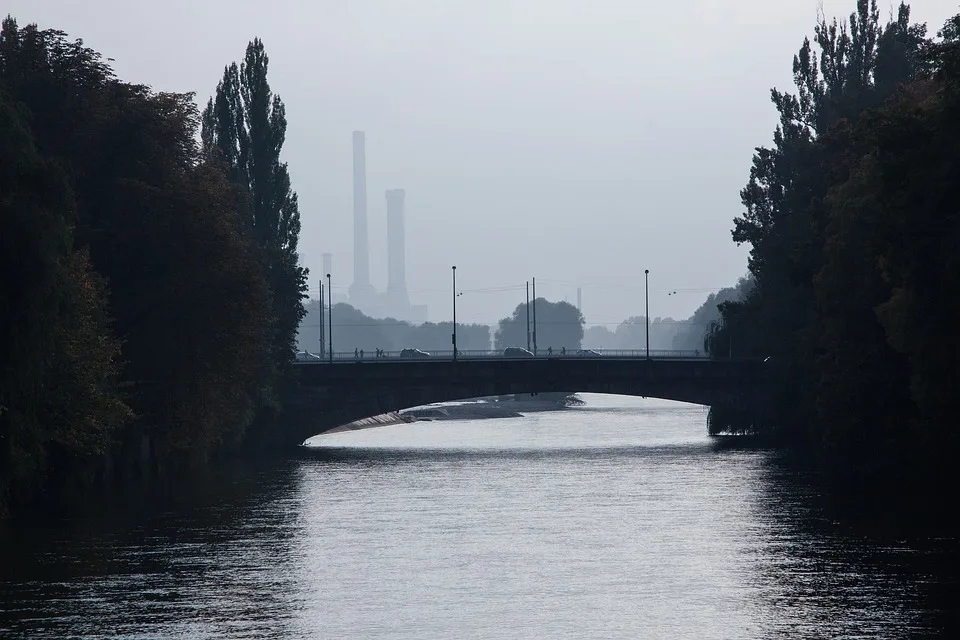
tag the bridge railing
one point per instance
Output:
(471, 354)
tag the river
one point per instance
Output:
(620, 519)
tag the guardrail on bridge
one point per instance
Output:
(466, 354)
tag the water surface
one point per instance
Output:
(621, 519)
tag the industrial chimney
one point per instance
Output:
(396, 255)
(360, 291)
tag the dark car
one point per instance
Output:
(413, 353)
(516, 352)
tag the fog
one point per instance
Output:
(577, 142)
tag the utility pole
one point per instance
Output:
(534, 316)
(454, 312)
(528, 315)
(330, 317)
(323, 347)
(646, 295)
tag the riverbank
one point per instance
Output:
(382, 420)
(481, 409)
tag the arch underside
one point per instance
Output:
(318, 408)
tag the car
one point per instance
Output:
(305, 356)
(588, 353)
(516, 352)
(413, 353)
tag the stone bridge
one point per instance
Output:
(332, 394)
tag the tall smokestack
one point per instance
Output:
(396, 250)
(361, 256)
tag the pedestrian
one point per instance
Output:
(549, 351)
(356, 352)
(361, 354)
(563, 351)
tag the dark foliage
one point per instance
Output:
(138, 307)
(58, 397)
(244, 128)
(558, 325)
(352, 329)
(852, 222)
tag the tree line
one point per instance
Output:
(559, 325)
(352, 329)
(152, 287)
(667, 334)
(851, 218)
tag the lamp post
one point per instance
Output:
(528, 315)
(646, 295)
(534, 316)
(454, 312)
(330, 318)
(323, 346)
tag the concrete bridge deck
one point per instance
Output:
(331, 394)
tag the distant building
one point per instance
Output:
(361, 290)
(395, 302)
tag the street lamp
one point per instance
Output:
(534, 316)
(323, 340)
(528, 315)
(454, 312)
(646, 295)
(330, 317)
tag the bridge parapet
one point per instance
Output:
(463, 354)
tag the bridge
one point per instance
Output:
(338, 390)
(549, 352)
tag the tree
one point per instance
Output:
(58, 391)
(788, 219)
(694, 330)
(599, 337)
(900, 200)
(244, 127)
(187, 293)
(632, 333)
(353, 329)
(852, 223)
(559, 324)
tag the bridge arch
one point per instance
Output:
(330, 395)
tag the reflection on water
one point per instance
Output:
(618, 520)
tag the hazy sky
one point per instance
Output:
(578, 141)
